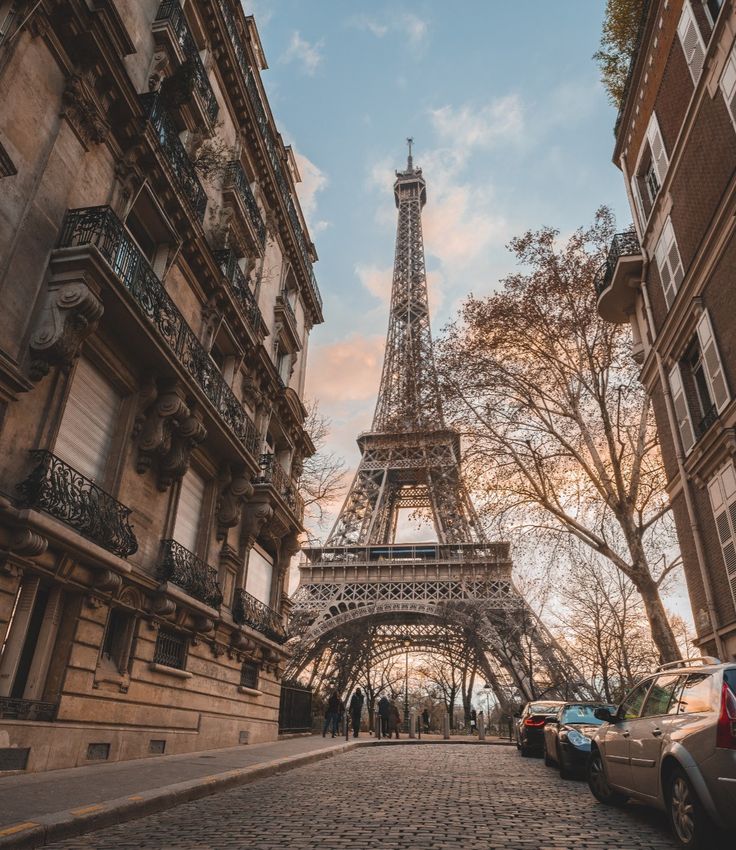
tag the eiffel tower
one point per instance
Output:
(363, 588)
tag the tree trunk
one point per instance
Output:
(662, 634)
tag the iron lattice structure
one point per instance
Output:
(363, 589)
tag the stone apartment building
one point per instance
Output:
(157, 294)
(672, 278)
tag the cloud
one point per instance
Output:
(407, 25)
(348, 370)
(414, 27)
(305, 53)
(469, 126)
(376, 280)
(314, 180)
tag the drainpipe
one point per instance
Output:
(675, 431)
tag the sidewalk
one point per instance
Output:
(38, 808)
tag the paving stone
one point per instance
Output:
(397, 798)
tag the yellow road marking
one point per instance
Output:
(86, 810)
(17, 827)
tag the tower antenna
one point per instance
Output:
(410, 160)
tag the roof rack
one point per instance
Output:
(686, 662)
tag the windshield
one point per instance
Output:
(545, 708)
(584, 714)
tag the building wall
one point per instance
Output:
(80, 618)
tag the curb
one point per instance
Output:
(69, 824)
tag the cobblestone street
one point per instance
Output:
(399, 797)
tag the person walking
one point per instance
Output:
(394, 719)
(332, 714)
(356, 709)
(384, 713)
(473, 721)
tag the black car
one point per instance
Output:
(567, 736)
(530, 725)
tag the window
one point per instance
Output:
(650, 171)
(682, 412)
(651, 181)
(89, 422)
(631, 706)
(728, 84)
(147, 224)
(283, 365)
(260, 574)
(713, 7)
(711, 366)
(691, 41)
(669, 264)
(722, 493)
(661, 695)
(117, 640)
(249, 675)
(697, 695)
(189, 510)
(171, 650)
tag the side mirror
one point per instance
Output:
(605, 715)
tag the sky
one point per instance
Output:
(511, 127)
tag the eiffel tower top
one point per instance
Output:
(409, 398)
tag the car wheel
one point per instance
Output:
(690, 824)
(564, 770)
(598, 783)
(548, 760)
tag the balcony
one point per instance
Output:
(249, 611)
(228, 263)
(236, 188)
(57, 489)
(284, 313)
(100, 227)
(174, 153)
(26, 709)
(171, 24)
(274, 475)
(618, 278)
(193, 575)
(708, 419)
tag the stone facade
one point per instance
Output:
(157, 295)
(672, 279)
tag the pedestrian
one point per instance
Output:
(425, 720)
(473, 721)
(394, 719)
(384, 713)
(332, 714)
(340, 716)
(356, 709)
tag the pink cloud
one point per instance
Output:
(346, 371)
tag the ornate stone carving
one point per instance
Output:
(203, 625)
(69, 316)
(161, 604)
(255, 516)
(242, 643)
(236, 488)
(83, 111)
(27, 542)
(168, 429)
(108, 581)
(159, 66)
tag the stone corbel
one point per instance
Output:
(161, 605)
(69, 316)
(255, 516)
(188, 435)
(159, 67)
(28, 543)
(107, 581)
(81, 109)
(236, 488)
(242, 643)
(202, 625)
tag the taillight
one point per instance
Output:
(534, 721)
(726, 731)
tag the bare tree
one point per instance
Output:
(323, 476)
(560, 433)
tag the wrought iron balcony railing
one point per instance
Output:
(171, 11)
(232, 30)
(249, 611)
(228, 263)
(26, 709)
(235, 178)
(284, 303)
(274, 474)
(174, 153)
(623, 245)
(708, 419)
(99, 226)
(193, 575)
(57, 489)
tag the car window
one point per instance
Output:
(631, 706)
(729, 677)
(545, 708)
(661, 695)
(697, 694)
(583, 714)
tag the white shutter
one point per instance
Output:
(260, 574)
(656, 145)
(189, 510)
(638, 203)
(88, 423)
(728, 84)
(692, 43)
(682, 414)
(722, 492)
(711, 358)
(669, 263)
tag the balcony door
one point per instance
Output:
(260, 574)
(189, 510)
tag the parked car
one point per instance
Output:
(567, 736)
(672, 744)
(530, 725)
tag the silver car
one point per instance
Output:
(672, 744)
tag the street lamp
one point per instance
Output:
(487, 688)
(407, 644)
